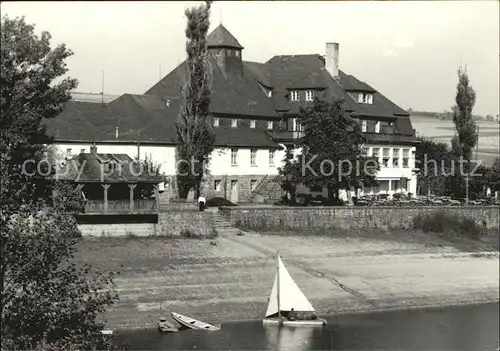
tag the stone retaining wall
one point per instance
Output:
(347, 217)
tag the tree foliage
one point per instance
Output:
(194, 131)
(435, 161)
(466, 137)
(331, 151)
(48, 302)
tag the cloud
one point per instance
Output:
(391, 53)
(403, 43)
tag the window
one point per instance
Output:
(234, 122)
(363, 126)
(395, 157)
(385, 156)
(377, 127)
(216, 121)
(270, 93)
(360, 97)
(296, 125)
(237, 53)
(217, 185)
(270, 125)
(271, 158)
(253, 184)
(253, 157)
(252, 123)
(368, 98)
(229, 52)
(294, 95)
(406, 158)
(365, 151)
(234, 157)
(375, 152)
(309, 95)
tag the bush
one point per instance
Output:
(442, 222)
(189, 234)
(218, 201)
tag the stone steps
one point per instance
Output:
(223, 226)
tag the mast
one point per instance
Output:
(278, 286)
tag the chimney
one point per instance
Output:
(332, 59)
(116, 133)
(93, 149)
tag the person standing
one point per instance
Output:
(201, 202)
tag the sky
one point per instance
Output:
(408, 51)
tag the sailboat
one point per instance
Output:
(285, 296)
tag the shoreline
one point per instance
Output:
(352, 312)
(228, 280)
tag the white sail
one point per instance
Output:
(290, 294)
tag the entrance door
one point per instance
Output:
(234, 191)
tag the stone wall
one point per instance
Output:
(172, 220)
(305, 218)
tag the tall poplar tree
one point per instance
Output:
(194, 131)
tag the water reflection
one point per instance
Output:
(288, 338)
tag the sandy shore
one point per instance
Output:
(230, 281)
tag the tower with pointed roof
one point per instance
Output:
(226, 49)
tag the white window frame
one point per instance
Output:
(234, 157)
(237, 53)
(364, 125)
(395, 158)
(271, 157)
(309, 95)
(253, 157)
(376, 153)
(216, 121)
(406, 157)
(386, 156)
(252, 123)
(360, 97)
(270, 93)
(377, 127)
(294, 95)
(234, 122)
(365, 150)
(270, 125)
(370, 99)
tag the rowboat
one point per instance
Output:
(165, 326)
(287, 297)
(193, 323)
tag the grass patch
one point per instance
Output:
(447, 224)
(191, 234)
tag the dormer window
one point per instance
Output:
(294, 95)
(365, 98)
(270, 93)
(309, 95)
(216, 121)
(270, 125)
(237, 53)
(252, 123)
(234, 122)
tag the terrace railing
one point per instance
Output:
(139, 206)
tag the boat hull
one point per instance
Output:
(296, 323)
(193, 323)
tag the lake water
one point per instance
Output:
(474, 327)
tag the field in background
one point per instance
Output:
(443, 130)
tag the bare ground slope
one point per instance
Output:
(231, 281)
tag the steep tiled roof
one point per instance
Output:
(144, 118)
(232, 93)
(89, 167)
(220, 37)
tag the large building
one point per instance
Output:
(254, 108)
